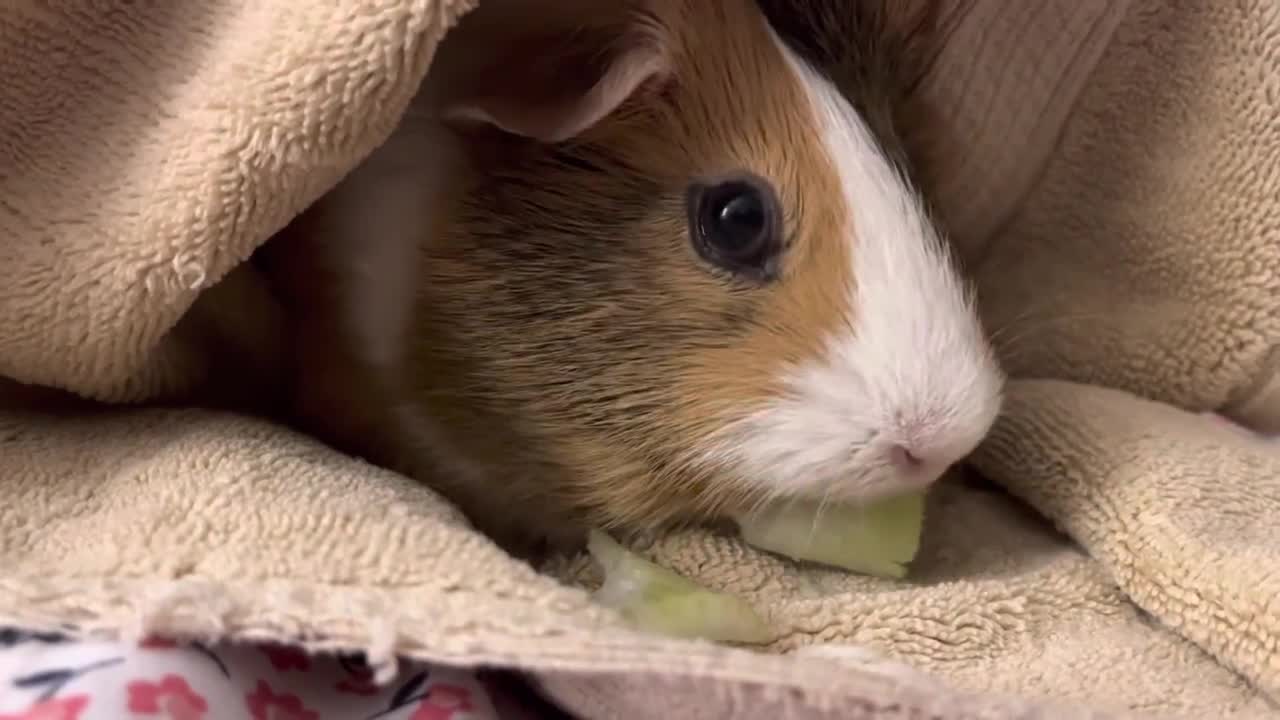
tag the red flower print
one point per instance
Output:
(266, 705)
(284, 657)
(170, 698)
(359, 685)
(155, 643)
(443, 702)
(64, 708)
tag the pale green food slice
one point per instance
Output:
(659, 600)
(876, 539)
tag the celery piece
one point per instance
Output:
(876, 539)
(659, 600)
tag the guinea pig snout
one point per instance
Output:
(903, 457)
(918, 452)
(927, 432)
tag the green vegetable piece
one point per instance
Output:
(659, 600)
(877, 539)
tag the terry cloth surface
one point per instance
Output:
(1115, 188)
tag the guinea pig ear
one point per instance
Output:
(551, 85)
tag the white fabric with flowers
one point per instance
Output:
(45, 677)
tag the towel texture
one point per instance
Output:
(1112, 174)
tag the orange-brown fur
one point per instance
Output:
(567, 338)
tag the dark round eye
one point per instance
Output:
(735, 225)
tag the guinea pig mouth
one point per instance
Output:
(874, 483)
(806, 463)
(890, 484)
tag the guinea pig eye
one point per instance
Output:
(735, 225)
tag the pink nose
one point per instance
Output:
(901, 456)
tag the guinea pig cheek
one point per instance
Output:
(782, 439)
(767, 435)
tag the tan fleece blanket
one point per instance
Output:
(1112, 172)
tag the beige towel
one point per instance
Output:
(1112, 174)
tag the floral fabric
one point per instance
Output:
(45, 677)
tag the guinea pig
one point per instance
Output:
(637, 264)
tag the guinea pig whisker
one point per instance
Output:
(1005, 343)
(1009, 324)
(764, 500)
(817, 515)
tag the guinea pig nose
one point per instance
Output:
(901, 456)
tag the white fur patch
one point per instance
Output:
(910, 367)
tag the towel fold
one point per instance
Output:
(1111, 173)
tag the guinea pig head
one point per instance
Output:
(692, 280)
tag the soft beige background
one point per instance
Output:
(1113, 183)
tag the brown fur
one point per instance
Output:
(567, 337)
